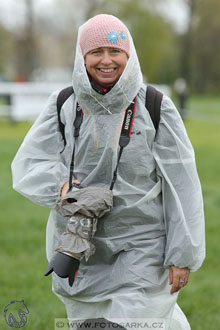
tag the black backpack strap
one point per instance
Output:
(61, 99)
(153, 103)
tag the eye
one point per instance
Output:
(95, 51)
(116, 51)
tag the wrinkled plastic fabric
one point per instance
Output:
(92, 202)
(157, 218)
(76, 240)
(89, 204)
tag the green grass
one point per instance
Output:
(22, 243)
(206, 108)
(200, 300)
(23, 224)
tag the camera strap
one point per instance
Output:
(123, 140)
(125, 135)
(77, 124)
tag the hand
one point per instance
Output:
(65, 188)
(177, 275)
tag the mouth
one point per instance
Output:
(110, 70)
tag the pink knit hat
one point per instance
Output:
(104, 31)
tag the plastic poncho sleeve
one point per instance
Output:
(181, 191)
(37, 169)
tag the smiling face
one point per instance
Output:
(105, 65)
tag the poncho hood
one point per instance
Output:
(119, 97)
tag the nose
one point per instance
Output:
(106, 58)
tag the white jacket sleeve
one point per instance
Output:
(181, 191)
(38, 171)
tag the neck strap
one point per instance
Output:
(123, 141)
(125, 135)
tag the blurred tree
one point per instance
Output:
(206, 47)
(26, 50)
(201, 46)
(7, 49)
(186, 41)
(93, 8)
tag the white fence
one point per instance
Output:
(26, 100)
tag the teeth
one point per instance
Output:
(106, 70)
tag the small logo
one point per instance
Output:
(122, 34)
(113, 37)
(16, 314)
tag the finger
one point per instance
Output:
(174, 288)
(181, 283)
(171, 276)
(186, 281)
(176, 285)
(76, 182)
(187, 277)
(64, 189)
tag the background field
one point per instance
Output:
(22, 228)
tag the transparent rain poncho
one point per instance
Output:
(157, 218)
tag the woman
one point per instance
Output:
(154, 235)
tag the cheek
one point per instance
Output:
(122, 66)
(89, 63)
(124, 62)
(89, 68)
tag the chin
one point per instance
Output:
(107, 83)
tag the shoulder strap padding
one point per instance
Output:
(153, 103)
(61, 99)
